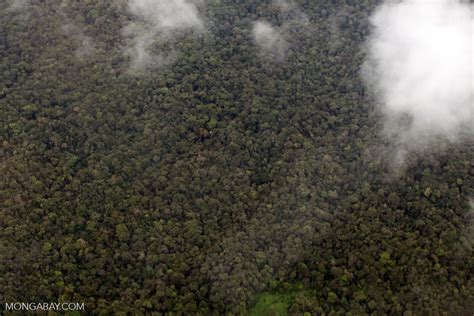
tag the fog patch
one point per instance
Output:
(18, 5)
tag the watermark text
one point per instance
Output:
(21, 306)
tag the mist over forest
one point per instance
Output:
(222, 157)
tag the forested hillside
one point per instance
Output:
(226, 173)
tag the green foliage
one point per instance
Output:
(271, 304)
(47, 246)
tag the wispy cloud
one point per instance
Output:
(272, 40)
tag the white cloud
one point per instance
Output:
(420, 68)
(269, 39)
(158, 21)
(167, 15)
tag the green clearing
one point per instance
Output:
(272, 304)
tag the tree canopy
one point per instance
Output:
(195, 187)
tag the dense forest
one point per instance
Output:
(222, 179)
